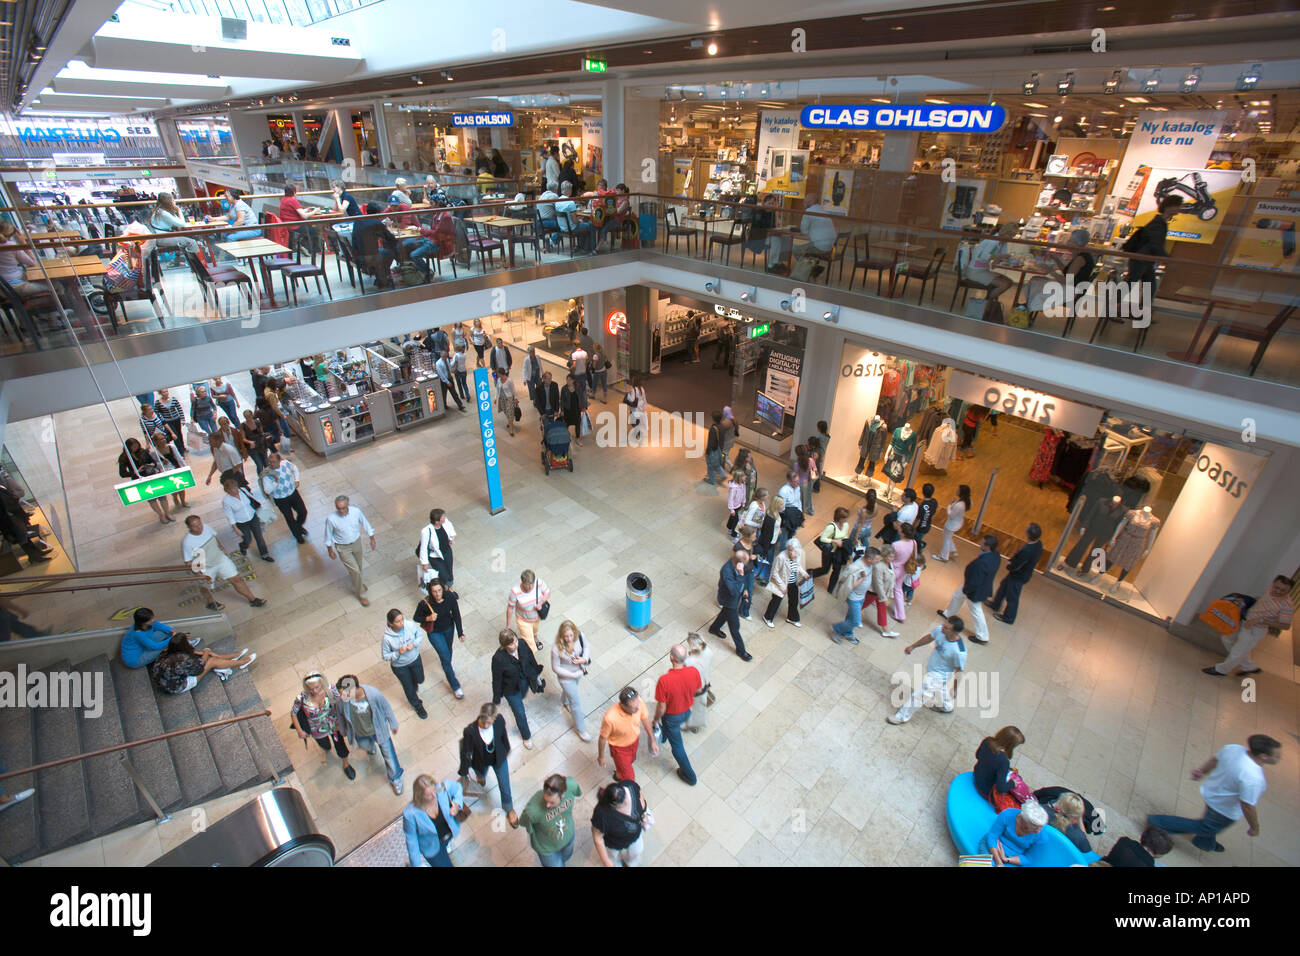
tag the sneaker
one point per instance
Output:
(19, 797)
(745, 617)
(836, 637)
(795, 623)
(768, 623)
(528, 744)
(258, 602)
(584, 736)
(853, 640)
(891, 719)
(398, 786)
(350, 772)
(460, 694)
(889, 634)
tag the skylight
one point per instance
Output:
(301, 13)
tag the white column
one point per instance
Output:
(611, 109)
(898, 151)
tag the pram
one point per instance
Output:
(555, 446)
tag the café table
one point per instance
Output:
(1242, 300)
(261, 250)
(896, 249)
(505, 223)
(1031, 268)
(706, 221)
(67, 271)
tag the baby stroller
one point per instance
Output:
(555, 446)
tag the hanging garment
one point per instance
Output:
(929, 422)
(943, 445)
(1071, 463)
(1041, 469)
(889, 383)
(1136, 533)
(872, 443)
(1154, 480)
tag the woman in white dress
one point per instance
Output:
(956, 518)
(700, 656)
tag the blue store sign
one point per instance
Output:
(940, 119)
(483, 119)
(488, 432)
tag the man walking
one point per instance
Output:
(548, 820)
(444, 368)
(532, 373)
(371, 724)
(500, 360)
(1232, 784)
(548, 397)
(578, 359)
(1271, 614)
(731, 582)
(343, 531)
(620, 731)
(1020, 570)
(238, 505)
(925, 513)
(674, 696)
(791, 511)
(947, 660)
(713, 452)
(977, 586)
(280, 481)
(202, 551)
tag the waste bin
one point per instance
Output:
(638, 601)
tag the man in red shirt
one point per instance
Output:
(292, 211)
(674, 696)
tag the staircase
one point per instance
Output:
(89, 798)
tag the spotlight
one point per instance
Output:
(1150, 84)
(832, 314)
(1031, 84)
(1192, 80)
(712, 48)
(1065, 84)
(1248, 80)
(418, 81)
(1057, 119)
(714, 286)
(763, 91)
(786, 305)
(1111, 85)
(749, 295)
(446, 76)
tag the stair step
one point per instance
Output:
(191, 754)
(63, 811)
(115, 802)
(234, 762)
(141, 718)
(244, 698)
(18, 838)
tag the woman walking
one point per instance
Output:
(831, 543)
(571, 407)
(318, 713)
(485, 744)
(169, 457)
(429, 821)
(804, 471)
(618, 824)
(957, 510)
(203, 410)
(569, 659)
(765, 541)
(135, 461)
(787, 573)
(508, 403)
(882, 590)
(598, 373)
(254, 436)
(526, 601)
(862, 523)
(514, 673)
(904, 550)
(439, 615)
(745, 463)
(479, 338)
(700, 656)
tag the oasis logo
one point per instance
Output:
(1221, 476)
(860, 370)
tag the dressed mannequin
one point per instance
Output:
(943, 445)
(1102, 521)
(901, 446)
(871, 446)
(1041, 469)
(1132, 542)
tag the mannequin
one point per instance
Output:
(871, 445)
(1132, 542)
(943, 445)
(901, 445)
(1102, 521)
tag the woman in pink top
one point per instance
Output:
(904, 548)
(525, 601)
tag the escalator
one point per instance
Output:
(276, 829)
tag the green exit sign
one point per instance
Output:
(592, 64)
(759, 331)
(155, 486)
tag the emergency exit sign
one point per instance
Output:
(593, 64)
(155, 486)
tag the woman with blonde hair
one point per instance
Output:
(526, 601)
(429, 820)
(569, 659)
(485, 744)
(1067, 816)
(167, 217)
(700, 656)
(318, 712)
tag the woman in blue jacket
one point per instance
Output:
(146, 640)
(429, 822)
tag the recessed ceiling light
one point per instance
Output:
(712, 48)
(1136, 99)
(1041, 106)
(897, 29)
(935, 99)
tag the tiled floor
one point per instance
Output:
(797, 765)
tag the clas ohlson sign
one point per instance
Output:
(941, 119)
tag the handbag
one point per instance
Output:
(543, 609)
(427, 624)
(257, 505)
(518, 414)
(585, 427)
(1018, 317)
(807, 588)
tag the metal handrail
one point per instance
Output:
(265, 712)
(78, 575)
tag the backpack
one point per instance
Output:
(410, 274)
(1136, 241)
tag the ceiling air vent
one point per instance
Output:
(232, 29)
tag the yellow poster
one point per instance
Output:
(1206, 194)
(789, 169)
(1267, 239)
(681, 175)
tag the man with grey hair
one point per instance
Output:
(674, 696)
(343, 531)
(371, 724)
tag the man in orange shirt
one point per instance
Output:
(620, 730)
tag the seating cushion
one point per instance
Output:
(970, 816)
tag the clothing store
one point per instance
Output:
(1128, 511)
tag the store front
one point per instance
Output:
(1127, 510)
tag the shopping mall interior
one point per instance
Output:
(1032, 265)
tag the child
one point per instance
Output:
(755, 512)
(910, 581)
(947, 660)
(736, 490)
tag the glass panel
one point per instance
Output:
(93, 604)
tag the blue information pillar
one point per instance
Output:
(488, 433)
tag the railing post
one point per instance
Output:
(144, 791)
(988, 493)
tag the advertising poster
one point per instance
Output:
(570, 148)
(1206, 194)
(1179, 139)
(782, 383)
(1267, 238)
(782, 166)
(837, 191)
(681, 175)
(960, 201)
(593, 145)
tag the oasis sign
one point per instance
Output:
(483, 119)
(941, 119)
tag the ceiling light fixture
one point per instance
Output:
(447, 76)
(1031, 84)
(1249, 79)
(1111, 85)
(712, 49)
(832, 314)
(1192, 80)
(1065, 84)
(1152, 82)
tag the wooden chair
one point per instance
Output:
(964, 283)
(291, 274)
(485, 246)
(527, 236)
(1263, 334)
(115, 299)
(832, 255)
(212, 279)
(734, 237)
(672, 229)
(334, 243)
(862, 260)
(926, 272)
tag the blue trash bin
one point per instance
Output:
(638, 601)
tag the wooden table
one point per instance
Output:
(259, 249)
(897, 248)
(63, 267)
(502, 222)
(57, 234)
(1234, 297)
(1023, 267)
(707, 221)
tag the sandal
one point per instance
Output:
(216, 606)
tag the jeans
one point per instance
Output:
(243, 234)
(569, 695)
(713, 460)
(672, 725)
(295, 513)
(441, 642)
(442, 859)
(259, 459)
(600, 378)
(251, 529)
(410, 676)
(228, 407)
(747, 592)
(852, 619)
(581, 382)
(462, 384)
(206, 422)
(1206, 828)
(502, 770)
(389, 752)
(516, 702)
(559, 858)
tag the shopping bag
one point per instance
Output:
(194, 440)
(1018, 317)
(586, 424)
(806, 589)
(286, 444)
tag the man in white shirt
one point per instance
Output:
(578, 366)
(1233, 782)
(565, 205)
(546, 208)
(819, 229)
(910, 510)
(273, 152)
(202, 551)
(443, 367)
(553, 169)
(343, 531)
(238, 506)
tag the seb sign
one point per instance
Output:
(1045, 409)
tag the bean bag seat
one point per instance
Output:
(970, 816)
